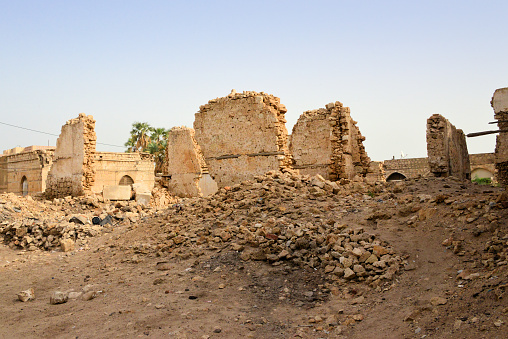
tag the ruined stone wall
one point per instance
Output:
(447, 149)
(500, 105)
(111, 167)
(376, 172)
(243, 135)
(410, 168)
(185, 165)
(327, 141)
(33, 166)
(73, 171)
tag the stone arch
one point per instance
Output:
(24, 186)
(126, 181)
(396, 176)
(480, 173)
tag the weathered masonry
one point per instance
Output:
(72, 172)
(243, 135)
(447, 149)
(24, 171)
(327, 141)
(112, 168)
(185, 168)
(500, 105)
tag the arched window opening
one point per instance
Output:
(24, 186)
(126, 181)
(396, 176)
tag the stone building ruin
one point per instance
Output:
(327, 141)
(185, 165)
(500, 105)
(72, 172)
(447, 149)
(74, 167)
(243, 135)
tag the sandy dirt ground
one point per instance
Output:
(189, 271)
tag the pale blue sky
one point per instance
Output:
(395, 63)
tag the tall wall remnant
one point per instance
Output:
(327, 141)
(73, 171)
(500, 105)
(185, 165)
(243, 135)
(447, 149)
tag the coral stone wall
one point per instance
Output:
(73, 171)
(327, 141)
(111, 167)
(242, 135)
(185, 165)
(500, 105)
(447, 149)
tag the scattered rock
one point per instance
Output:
(58, 297)
(26, 295)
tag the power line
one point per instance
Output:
(55, 135)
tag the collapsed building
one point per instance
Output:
(75, 168)
(185, 169)
(327, 141)
(500, 105)
(447, 149)
(243, 135)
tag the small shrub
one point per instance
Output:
(482, 181)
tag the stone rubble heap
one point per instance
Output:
(64, 223)
(282, 217)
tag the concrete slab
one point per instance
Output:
(116, 192)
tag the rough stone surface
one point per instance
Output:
(447, 149)
(327, 141)
(117, 192)
(243, 135)
(500, 105)
(185, 165)
(73, 171)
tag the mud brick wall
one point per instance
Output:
(185, 165)
(447, 149)
(111, 167)
(327, 141)
(73, 171)
(500, 105)
(243, 135)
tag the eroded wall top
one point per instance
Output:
(242, 135)
(500, 105)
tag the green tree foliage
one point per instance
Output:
(145, 138)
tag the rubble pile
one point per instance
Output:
(62, 222)
(281, 217)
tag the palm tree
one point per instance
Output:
(140, 138)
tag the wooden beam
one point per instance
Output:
(477, 134)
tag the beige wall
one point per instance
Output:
(111, 167)
(72, 172)
(500, 105)
(34, 166)
(242, 135)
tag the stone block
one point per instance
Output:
(116, 192)
(143, 198)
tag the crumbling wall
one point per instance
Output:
(111, 167)
(500, 105)
(447, 149)
(327, 141)
(243, 135)
(185, 165)
(376, 172)
(32, 166)
(73, 172)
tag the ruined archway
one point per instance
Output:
(481, 173)
(24, 186)
(396, 176)
(126, 181)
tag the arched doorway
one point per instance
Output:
(481, 173)
(396, 176)
(126, 181)
(24, 186)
